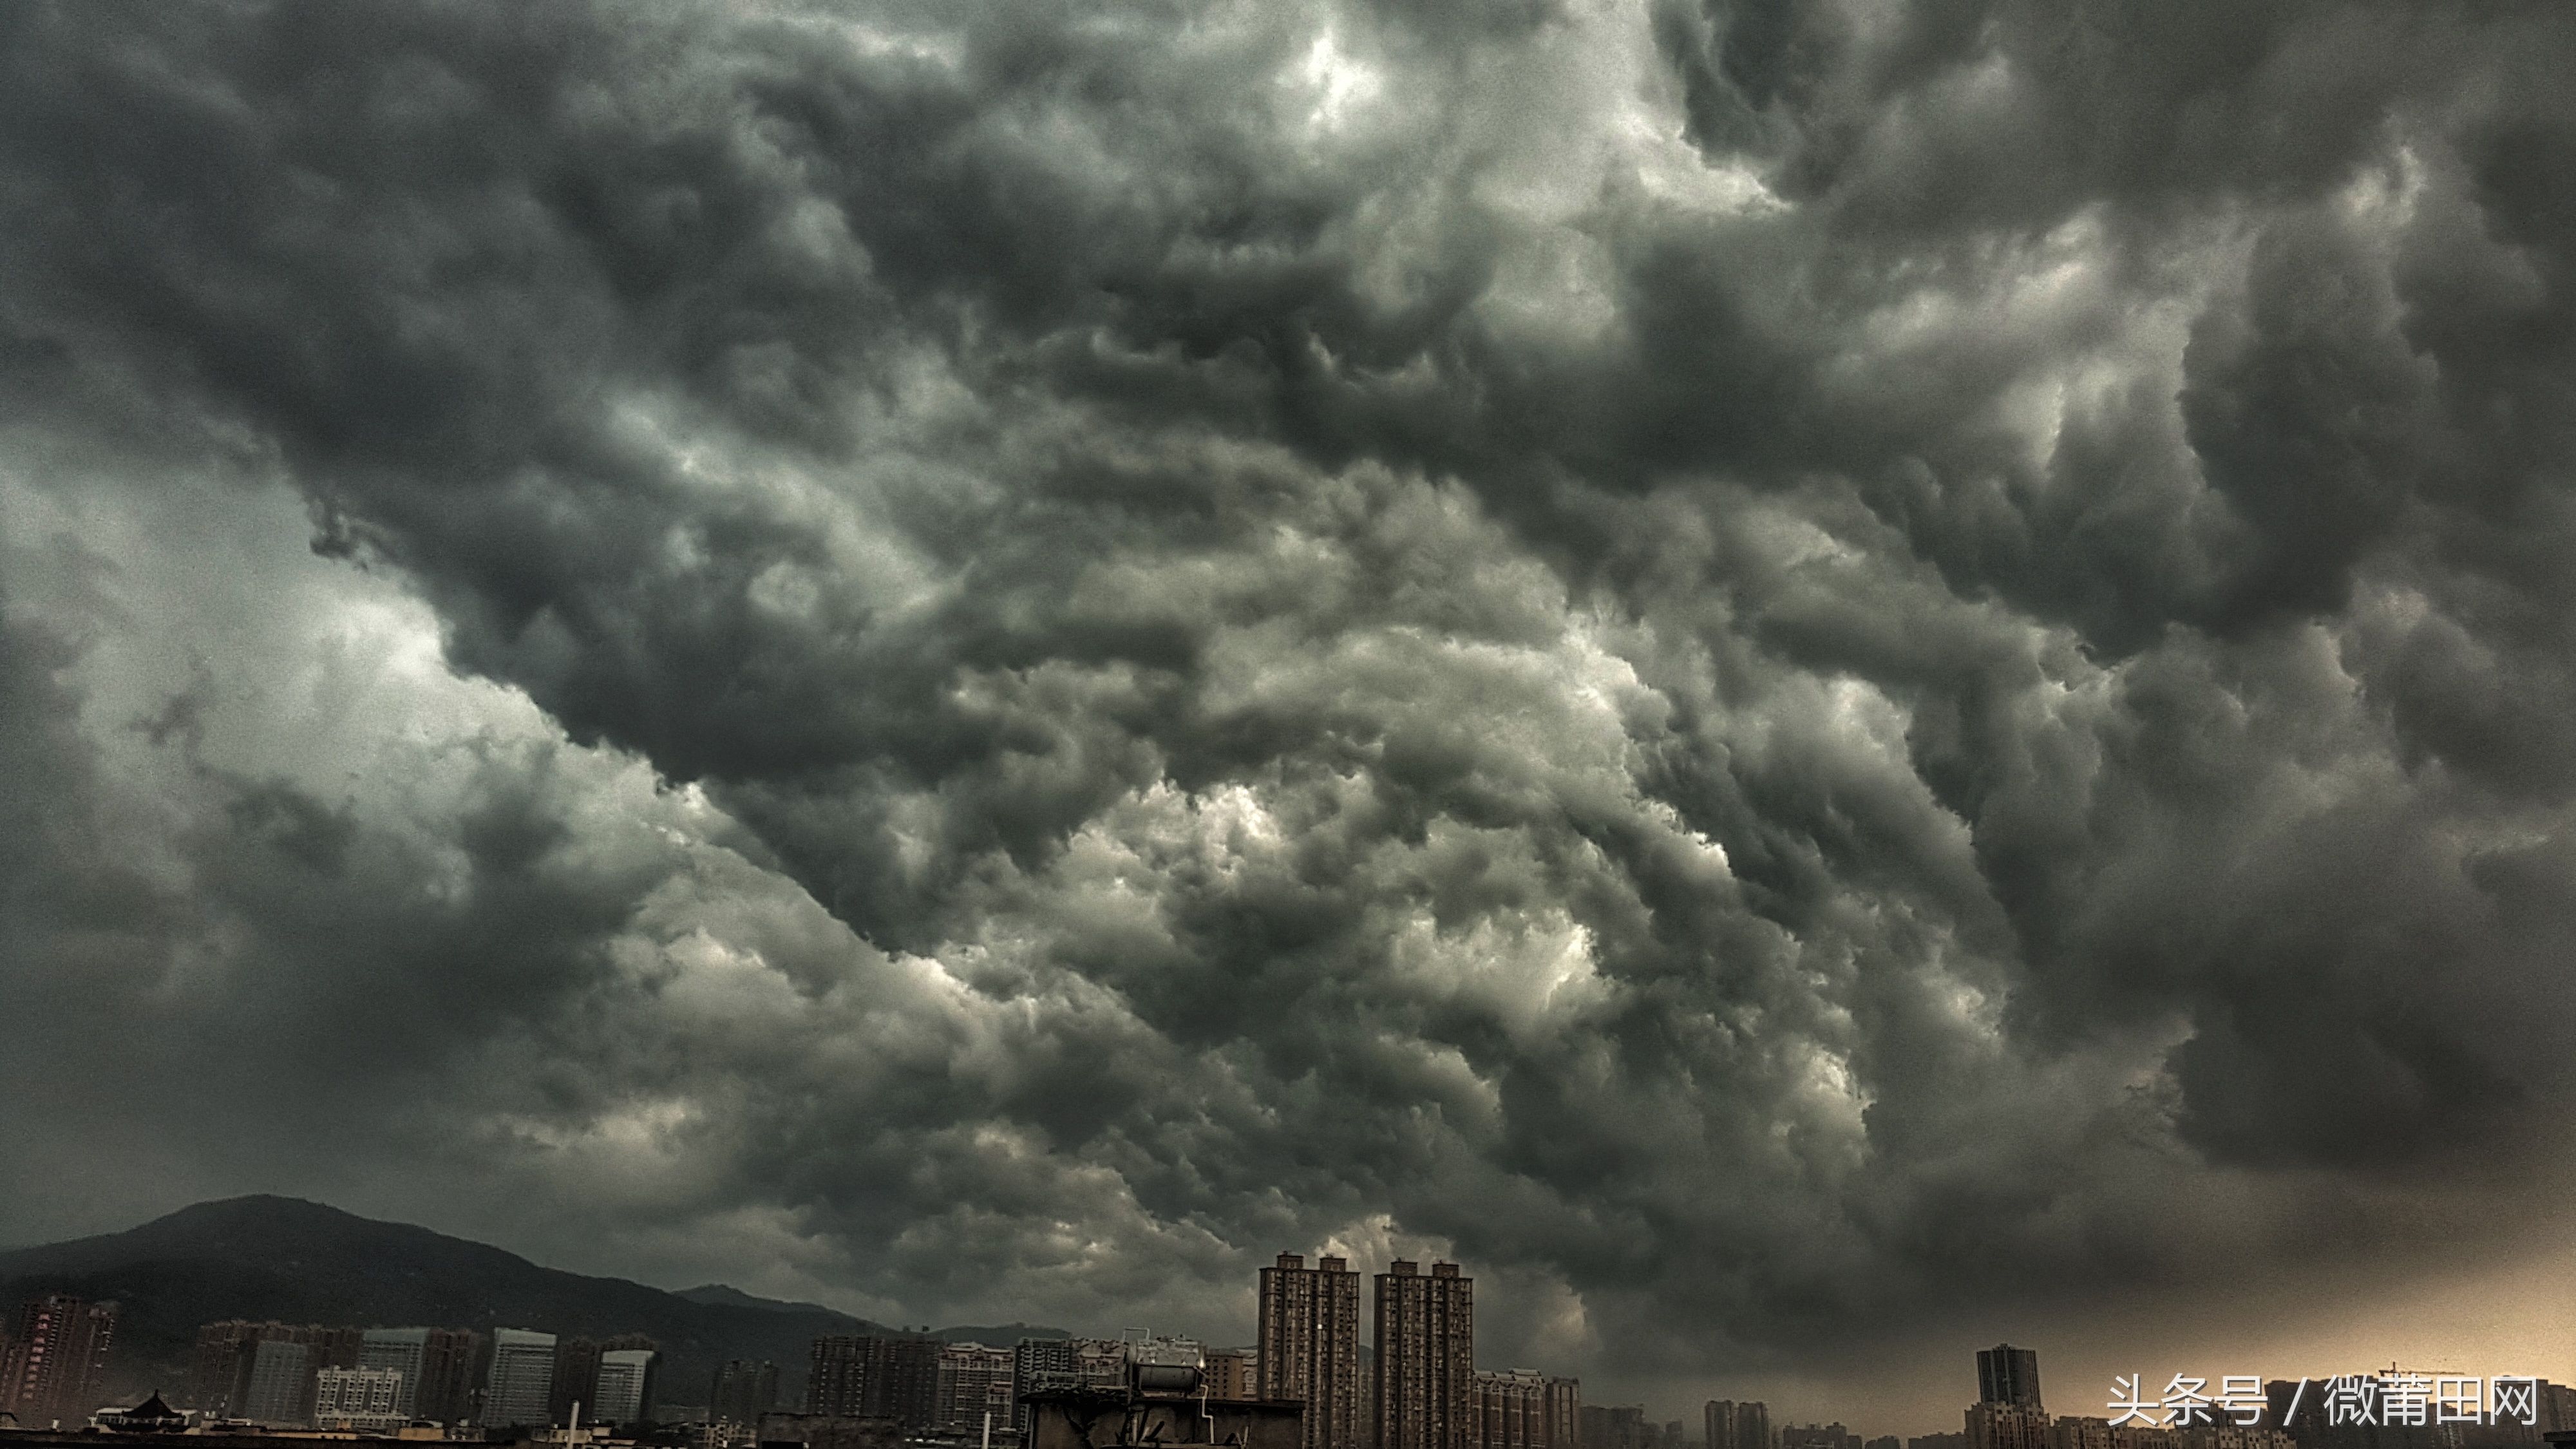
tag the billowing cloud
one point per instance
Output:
(1778, 671)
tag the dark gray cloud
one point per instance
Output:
(1778, 671)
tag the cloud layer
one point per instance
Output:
(1768, 669)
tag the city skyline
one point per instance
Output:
(921, 1378)
(374, 1379)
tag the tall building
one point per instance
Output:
(1511, 1411)
(1038, 1363)
(402, 1352)
(1733, 1425)
(453, 1362)
(520, 1385)
(281, 1373)
(1309, 1349)
(1423, 1375)
(622, 1386)
(440, 1367)
(973, 1381)
(56, 1363)
(868, 1376)
(2008, 1375)
(219, 1369)
(744, 1389)
(1231, 1372)
(835, 1376)
(1612, 1426)
(1563, 1409)
(1818, 1436)
(575, 1381)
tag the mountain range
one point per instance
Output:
(303, 1262)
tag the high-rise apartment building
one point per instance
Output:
(575, 1381)
(744, 1389)
(281, 1373)
(1038, 1363)
(226, 1359)
(2008, 1375)
(453, 1361)
(1612, 1426)
(622, 1386)
(402, 1352)
(219, 1368)
(1734, 1425)
(1309, 1348)
(214, 1367)
(1423, 1375)
(1511, 1411)
(56, 1362)
(520, 1385)
(973, 1381)
(836, 1374)
(2008, 1414)
(1563, 1409)
(868, 1376)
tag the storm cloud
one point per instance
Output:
(1775, 671)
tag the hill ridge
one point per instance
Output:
(265, 1256)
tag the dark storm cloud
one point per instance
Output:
(1764, 667)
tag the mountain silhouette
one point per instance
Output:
(303, 1262)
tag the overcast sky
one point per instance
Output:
(1816, 682)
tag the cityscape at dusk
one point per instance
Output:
(1288, 724)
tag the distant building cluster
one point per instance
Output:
(53, 1358)
(2009, 1414)
(1303, 1383)
(1421, 1390)
(379, 1380)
